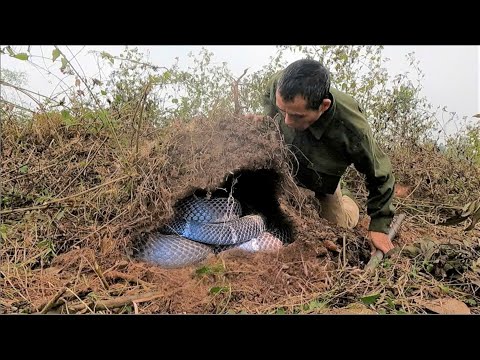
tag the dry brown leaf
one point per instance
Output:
(402, 191)
(331, 246)
(445, 306)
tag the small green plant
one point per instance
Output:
(209, 270)
(218, 289)
(370, 299)
(313, 305)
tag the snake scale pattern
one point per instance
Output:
(204, 226)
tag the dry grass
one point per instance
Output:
(75, 197)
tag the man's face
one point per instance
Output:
(296, 114)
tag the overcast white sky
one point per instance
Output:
(452, 76)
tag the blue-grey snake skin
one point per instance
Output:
(202, 226)
(231, 232)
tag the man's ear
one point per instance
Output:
(325, 105)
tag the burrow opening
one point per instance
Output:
(258, 192)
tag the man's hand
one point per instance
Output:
(380, 241)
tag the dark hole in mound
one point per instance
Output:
(258, 192)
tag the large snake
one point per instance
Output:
(203, 226)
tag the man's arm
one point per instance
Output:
(370, 160)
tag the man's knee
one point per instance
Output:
(340, 210)
(352, 212)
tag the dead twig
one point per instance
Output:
(131, 278)
(53, 301)
(236, 93)
(117, 302)
(99, 272)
